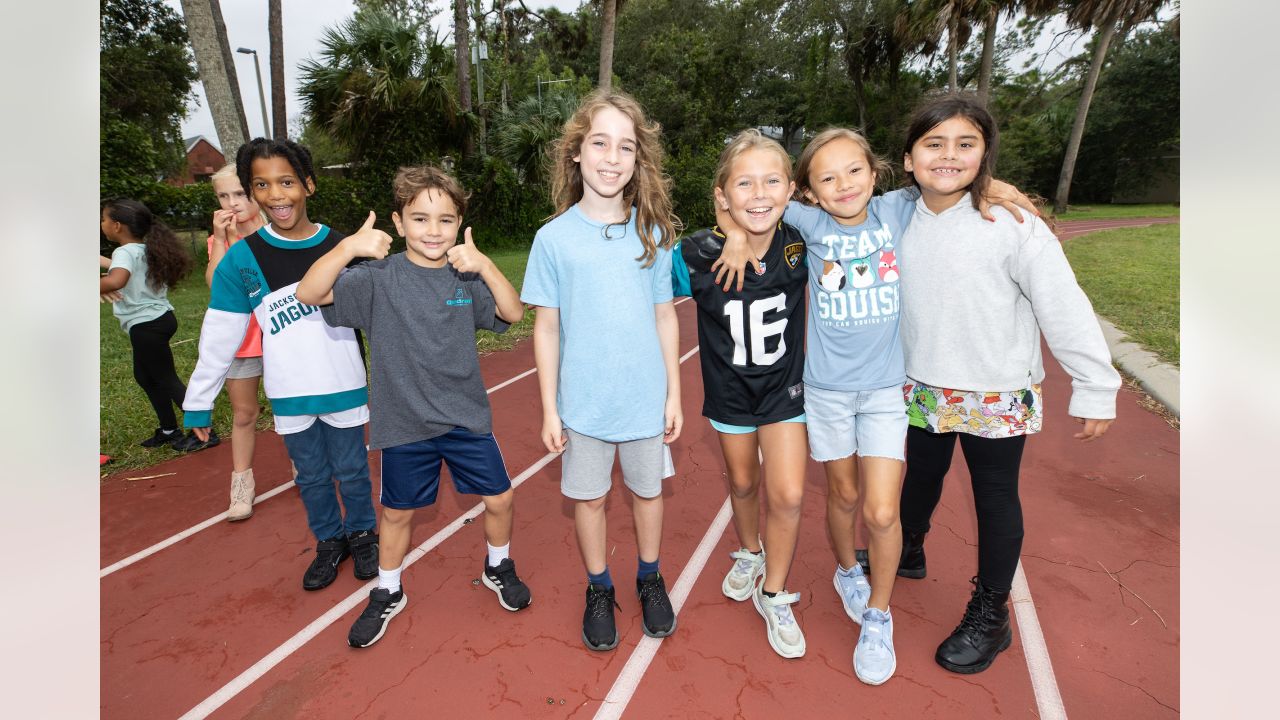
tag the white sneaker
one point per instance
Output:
(780, 624)
(854, 591)
(873, 659)
(741, 580)
(241, 496)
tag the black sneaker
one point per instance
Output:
(191, 443)
(324, 569)
(598, 629)
(160, 438)
(372, 623)
(502, 579)
(364, 550)
(659, 620)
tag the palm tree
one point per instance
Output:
(1104, 16)
(275, 31)
(524, 132)
(208, 36)
(989, 11)
(608, 23)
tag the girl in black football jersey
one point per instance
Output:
(752, 370)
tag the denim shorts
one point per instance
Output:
(870, 423)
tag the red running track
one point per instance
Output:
(180, 625)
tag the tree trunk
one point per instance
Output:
(953, 47)
(275, 29)
(608, 21)
(988, 55)
(217, 72)
(462, 59)
(1105, 33)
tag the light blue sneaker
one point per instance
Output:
(873, 659)
(853, 589)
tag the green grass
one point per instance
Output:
(1112, 212)
(1131, 276)
(125, 416)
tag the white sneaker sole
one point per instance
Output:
(404, 600)
(775, 642)
(484, 578)
(856, 617)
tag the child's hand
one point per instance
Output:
(675, 420)
(224, 223)
(553, 433)
(734, 258)
(111, 297)
(1093, 428)
(201, 433)
(465, 257)
(1008, 197)
(368, 241)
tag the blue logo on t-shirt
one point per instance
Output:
(458, 298)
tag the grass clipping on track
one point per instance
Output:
(1131, 277)
(125, 417)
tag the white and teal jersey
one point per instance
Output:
(309, 367)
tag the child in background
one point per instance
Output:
(973, 359)
(149, 261)
(606, 341)
(421, 309)
(238, 217)
(312, 373)
(752, 372)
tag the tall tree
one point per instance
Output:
(989, 11)
(217, 72)
(608, 24)
(462, 52)
(1105, 17)
(275, 30)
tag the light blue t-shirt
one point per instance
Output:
(613, 384)
(139, 302)
(853, 294)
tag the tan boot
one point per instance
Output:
(241, 496)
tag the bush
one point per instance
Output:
(503, 212)
(693, 171)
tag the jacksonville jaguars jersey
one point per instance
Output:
(752, 341)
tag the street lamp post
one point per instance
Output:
(262, 98)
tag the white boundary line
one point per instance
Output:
(275, 657)
(1043, 683)
(625, 685)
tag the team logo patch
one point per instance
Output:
(795, 390)
(793, 252)
(459, 298)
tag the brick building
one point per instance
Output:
(203, 160)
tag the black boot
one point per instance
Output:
(910, 565)
(981, 635)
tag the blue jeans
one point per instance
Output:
(323, 454)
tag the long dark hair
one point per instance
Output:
(939, 110)
(167, 260)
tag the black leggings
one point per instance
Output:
(153, 366)
(993, 467)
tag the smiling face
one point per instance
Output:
(841, 181)
(233, 197)
(756, 191)
(278, 190)
(429, 227)
(945, 161)
(607, 157)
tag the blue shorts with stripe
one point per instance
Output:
(411, 472)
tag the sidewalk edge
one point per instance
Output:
(1157, 378)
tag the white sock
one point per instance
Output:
(498, 554)
(389, 579)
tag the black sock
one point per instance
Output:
(769, 594)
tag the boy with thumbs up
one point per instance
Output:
(421, 309)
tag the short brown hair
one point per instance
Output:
(411, 181)
(882, 170)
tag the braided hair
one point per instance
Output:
(262, 148)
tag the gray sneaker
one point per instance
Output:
(854, 591)
(780, 624)
(873, 659)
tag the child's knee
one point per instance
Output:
(744, 487)
(593, 506)
(500, 504)
(787, 500)
(843, 496)
(880, 517)
(245, 416)
(396, 517)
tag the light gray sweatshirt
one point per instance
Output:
(976, 296)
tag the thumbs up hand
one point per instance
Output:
(368, 241)
(465, 257)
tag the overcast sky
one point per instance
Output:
(305, 21)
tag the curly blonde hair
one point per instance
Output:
(649, 190)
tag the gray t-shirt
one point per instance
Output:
(421, 322)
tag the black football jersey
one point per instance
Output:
(752, 341)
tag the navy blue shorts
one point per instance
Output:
(411, 472)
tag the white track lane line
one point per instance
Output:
(625, 685)
(275, 657)
(1043, 683)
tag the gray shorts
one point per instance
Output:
(587, 466)
(245, 367)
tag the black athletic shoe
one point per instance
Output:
(598, 629)
(324, 569)
(160, 438)
(659, 620)
(981, 635)
(910, 565)
(364, 550)
(372, 623)
(502, 579)
(191, 443)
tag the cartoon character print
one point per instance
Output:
(833, 276)
(860, 273)
(888, 265)
(921, 405)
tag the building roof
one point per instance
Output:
(191, 142)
